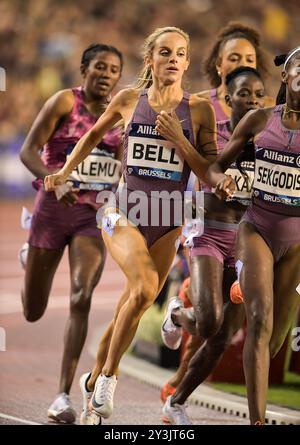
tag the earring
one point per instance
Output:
(219, 73)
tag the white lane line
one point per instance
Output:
(17, 419)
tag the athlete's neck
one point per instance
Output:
(165, 97)
(235, 119)
(293, 104)
(291, 111)
(95, 105)
(221, 92)
(233, 122)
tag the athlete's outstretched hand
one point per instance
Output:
(225, 188)
(51, 182)
(169, 126)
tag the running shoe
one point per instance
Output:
(236, 295)
(175, 414)
(166, 391)
(102, 400)
(170, 333)
(87, 417)
(62, 410)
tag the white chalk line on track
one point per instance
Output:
(18, 419)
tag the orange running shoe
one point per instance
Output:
(182, 292)
(166, 391)
(236, 295)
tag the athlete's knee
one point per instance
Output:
(209, 322)
(208, 328)
(260, 323)
(144, 294)
(31, 312)
(31, 315)
(80, 301)
(220, 342)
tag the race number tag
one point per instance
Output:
(244, 183)
(150, 155)
(277, 177)
(97, 172)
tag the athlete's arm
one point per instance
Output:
(207, 133)
(204, 120)
(250, 125)
(119, 152)
(84, 146)
(47, 121)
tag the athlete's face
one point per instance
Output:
(235, 52)
(102, 74)
(292, 77)
(248, 94)
(169, 59)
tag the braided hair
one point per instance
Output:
(239, 71)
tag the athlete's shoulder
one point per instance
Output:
(126, 96)
(205, 94)
(255, 121)
(62, 101)
(201, 104)
(261, 114)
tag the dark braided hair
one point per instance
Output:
(90, 52)
(234, 30)
(240, 71)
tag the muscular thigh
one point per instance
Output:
(86, 257)
(40, 269)
(286, 297)
(206, 282)
(255, 262)
(128, 248)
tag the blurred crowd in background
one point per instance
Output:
(41, 42)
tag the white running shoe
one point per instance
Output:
(87, 417)
(176, 413)
(23, 254)
(62, 410)
(170, 333)
(102, 399)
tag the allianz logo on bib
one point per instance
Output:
(281, 158)
(146, 129)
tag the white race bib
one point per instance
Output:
(243, 183)
(277, 177)
(96, 172)
(149, 155)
